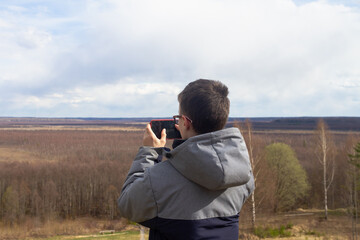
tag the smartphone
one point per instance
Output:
(171, 132)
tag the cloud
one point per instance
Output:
(32, 38)
(96, 58)
(109, 100)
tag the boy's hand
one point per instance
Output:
(151, 140)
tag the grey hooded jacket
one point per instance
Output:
(204, 182)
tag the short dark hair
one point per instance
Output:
(206, 103)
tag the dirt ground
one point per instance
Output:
(303, 226)
(308, 224)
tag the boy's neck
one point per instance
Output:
(189, 133)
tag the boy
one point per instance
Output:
(199, 191)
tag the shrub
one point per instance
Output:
(273, 232)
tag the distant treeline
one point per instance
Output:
(270, 123)
(303, 123)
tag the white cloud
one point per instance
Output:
(33, 38)
(277, 57)
(158, 98)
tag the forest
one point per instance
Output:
(50, 174)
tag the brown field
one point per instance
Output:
(61, 176)
(75, 128)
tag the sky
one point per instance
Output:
(130, 58)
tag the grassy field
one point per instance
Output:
(297, 226)
(302, 224)
(124, 235)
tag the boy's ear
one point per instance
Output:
(187, 123)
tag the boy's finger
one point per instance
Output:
(150, 131)
(163, 135)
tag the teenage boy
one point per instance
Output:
(199, 191)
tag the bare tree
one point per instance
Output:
(111, 196)
(248, 135)
(10, 205)
(327, 163)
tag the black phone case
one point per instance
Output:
(171, 132)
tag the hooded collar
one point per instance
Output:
(216, 160)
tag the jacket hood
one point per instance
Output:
(216, 160)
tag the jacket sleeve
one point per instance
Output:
(249, 187)
(136, 201)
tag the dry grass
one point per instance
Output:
(308, 226)
(33, 228)
(303, 227)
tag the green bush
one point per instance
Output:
(290, 176)
(273, 232)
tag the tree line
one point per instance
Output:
(308, 170)
(80, 173)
